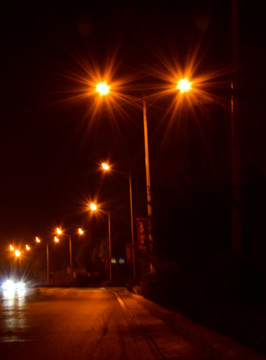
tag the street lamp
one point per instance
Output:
(148, 178)
(17, 253)
(80, 231)
(94, 207)
(106, 168)
(102, 88)
(60, 232)
(38, 241)
(18, 256)
(184, 85)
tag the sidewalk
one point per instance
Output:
(209, 341)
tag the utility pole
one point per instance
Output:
(148, 182)
(47, 265)
(109, 245)
(132, 224)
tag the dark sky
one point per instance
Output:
(51, 144)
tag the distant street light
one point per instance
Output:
(94, 207)
(17, 253)
(107, 168)
(60, 232)
(18, 256)
(38, 241)
(80, 231)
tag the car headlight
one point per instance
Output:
(12, 287)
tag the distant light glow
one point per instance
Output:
(58, 231)
(93, 207)
(184, 85)
(80, 231)
(17, 253)
(105, 166)
(102, 88)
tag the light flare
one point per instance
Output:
(12, 288)
(184, 85)
(17, 253)
(105, 166)
(9, 285)
(80, 231)
(21, 288)
(93, 206)
(102, 88)
(58, 231)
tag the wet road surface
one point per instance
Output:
(111, 323)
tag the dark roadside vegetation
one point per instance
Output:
(225, 294)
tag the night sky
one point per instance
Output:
(53, 139)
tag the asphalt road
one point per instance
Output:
(93, 324)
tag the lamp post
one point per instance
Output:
(183, 85)
(18, 256)
(94, 207)
(109, 245)
(148, 178)
(106, 167)
(47, 265)
(60, 232)
(38, 241)
(132, 224)
(104, 89)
